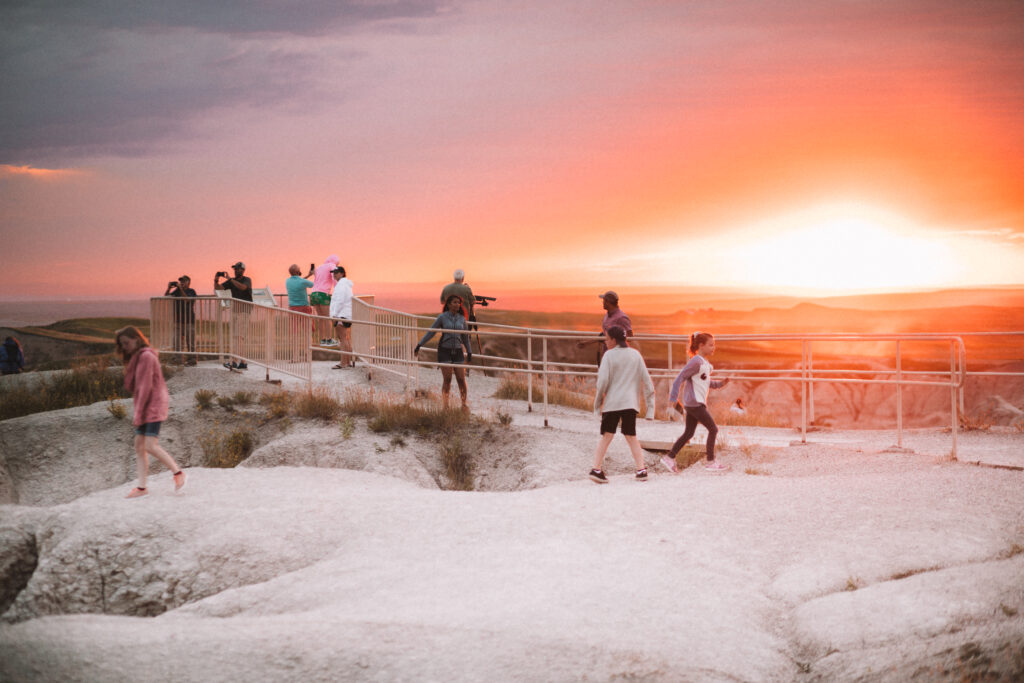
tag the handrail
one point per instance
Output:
(383, 339)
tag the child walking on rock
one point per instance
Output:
(144, 378)
(695, 380)
(621, 379)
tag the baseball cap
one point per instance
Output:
(339, 269)
(239, 265)
(612, 296)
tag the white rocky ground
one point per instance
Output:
(326, 558)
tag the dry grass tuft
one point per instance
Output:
(226, 451)
(116, 408)
(84, 384)
(757, 472)
(359, 402)
(277, 403)
(457, 464)
(574, 393)
(317, 403)
(204, 398)
(973, 423)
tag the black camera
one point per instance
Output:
(172, 283)
(223, 273)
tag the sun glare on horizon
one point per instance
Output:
(842, 248)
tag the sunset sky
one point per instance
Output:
(819, 147)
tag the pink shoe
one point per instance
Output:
(136, 493)
(179, 480)
(670, 464)
(715, 466)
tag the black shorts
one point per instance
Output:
(446, 355)
(609, 421)
(343, 322)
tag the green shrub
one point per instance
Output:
(348, 426)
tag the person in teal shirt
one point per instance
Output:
(298, 298)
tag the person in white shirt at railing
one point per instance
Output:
(449, 349)
(621, 379)
(341, 312)
(695, 380)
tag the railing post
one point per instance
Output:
(803, 394)
(899, 396)
(545, 374)
(670, 355)
(810, 385)
(269, 326)
(952, 393)
(529, 374)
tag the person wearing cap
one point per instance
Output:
(184, 316)
(613, 317)
(341, 313)
(462, 290)
(622, 380)
(240, 287)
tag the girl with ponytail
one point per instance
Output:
(695, 381)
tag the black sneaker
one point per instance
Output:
(242, 366)
(641, 475)
(231, 366)
(598, 477)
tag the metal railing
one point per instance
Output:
(383, 339)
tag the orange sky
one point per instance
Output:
(821, 148)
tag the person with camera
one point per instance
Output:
(184, 317)
(240, 287)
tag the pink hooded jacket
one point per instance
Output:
(323, 281)
(145, 380)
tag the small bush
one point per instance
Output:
(359, 403)
(423, 419)
(227, 403)
(573, 393)
(457, 464)
(243, 398)
(972, 423)
(204, 398)
(227, 451)
(117, 409)
(317, 403)
(853, 583)
(504, 419)
(348, 427)
(277, 403)
(398, 441)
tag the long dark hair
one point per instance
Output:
(449, 300)
(698, 338)
(12, 341)
(131, 332)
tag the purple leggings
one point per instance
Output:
(695, 414)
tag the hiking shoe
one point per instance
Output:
(179, 481)
(598, 477)
(339, 366)
(329, 342)
(715, 466)
(641, 475)
(231, 366)
(670, 464)
(136, 493)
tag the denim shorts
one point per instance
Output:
(149, 429)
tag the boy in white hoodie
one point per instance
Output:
(621, 379)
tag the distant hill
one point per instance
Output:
(55, 346)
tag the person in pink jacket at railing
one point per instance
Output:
(144, 378)
(320, 298)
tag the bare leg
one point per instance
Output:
(154, 448)
(634, 448)
(322, 326)
(460, 377)
(141, 460)
(345, 343)
(602, 448)
(446, 383)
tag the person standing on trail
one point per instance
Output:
(621, 380)
(613, 317)
(144, 378)
(240, 287)
(320, 297)
(696, 375)
(341, 313)
(449, 349)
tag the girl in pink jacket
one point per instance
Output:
(144, 378)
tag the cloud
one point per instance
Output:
(10, 172)
(93, 78)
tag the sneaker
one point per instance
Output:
(598, 477)
(670, 464)
(329, 342)
(136, 493)
(179, 480)
(715, 466)
(339, 366)
(242, 366)
(231, 366)
(641, 475)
